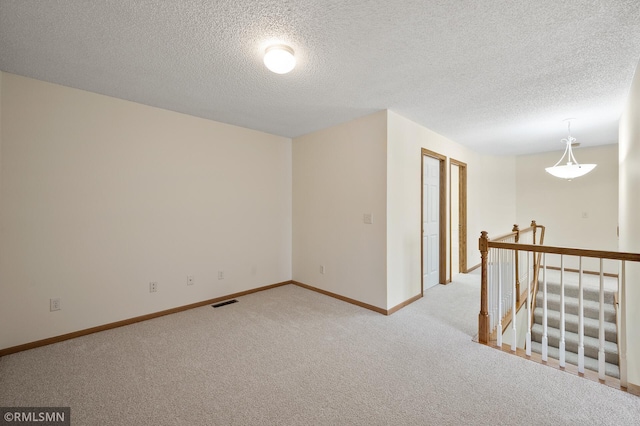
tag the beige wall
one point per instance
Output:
(491, 200)
(560, 204)
(1, 75)
(100, 196)
(339, 175)
(629, 174)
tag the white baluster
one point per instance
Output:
(498, 292)
(509, 276)
(505, 275)
(513, 308)
(545, 339)
(489, 286)
(622, 331)
(499, 328)
(528, 301)
(601, 357)
(580, 322)
(562, 331)
(492, 298)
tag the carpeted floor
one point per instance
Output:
(290, 356)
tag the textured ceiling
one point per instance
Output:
(496, 76)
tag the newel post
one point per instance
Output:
(534, 225)
(516, 229)
(483, 317)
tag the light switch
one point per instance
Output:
(367, 218)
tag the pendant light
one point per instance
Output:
(572, 169)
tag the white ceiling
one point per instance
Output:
(498, 76)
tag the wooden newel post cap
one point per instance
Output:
(533, 224)
(483, 243)
(515, 228)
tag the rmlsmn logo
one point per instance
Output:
(40, 416)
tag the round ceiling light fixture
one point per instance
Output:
(279, 59)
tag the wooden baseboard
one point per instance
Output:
(56, 339)
(633, 389)
(473, 268)
(343, 298)
(357, 302)
(403, 304)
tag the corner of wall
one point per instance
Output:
(101, 196)
(339, 175)
(1, 175)
(629, 204)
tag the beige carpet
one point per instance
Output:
(290, 356)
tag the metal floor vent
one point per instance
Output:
(228, 302)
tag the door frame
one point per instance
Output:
(462, 217)
(442, 237)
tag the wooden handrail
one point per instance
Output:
(529, 229)
(537, 260)
(505, 236)
(569, 251)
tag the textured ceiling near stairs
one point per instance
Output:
(496, 76)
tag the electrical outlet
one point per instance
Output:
(367, 218)
(190, 280)
(153, 287)
(221, 275)
(322, 269)
(54, 304)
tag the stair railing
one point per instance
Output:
(498, 267)
(498, 278)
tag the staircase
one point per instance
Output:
(591, 297)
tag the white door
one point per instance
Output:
(430, 222)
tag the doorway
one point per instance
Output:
(433, 208)
(458, 217)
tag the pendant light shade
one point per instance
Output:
(572, 169)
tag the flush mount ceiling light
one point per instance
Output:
(279, 59)
(572, 169)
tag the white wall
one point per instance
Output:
(101, 196)
(629, 174)
(560, 204)
(339, 174)
(490, 198)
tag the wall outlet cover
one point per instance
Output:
(54, 304)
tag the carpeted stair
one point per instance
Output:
(591, 299)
